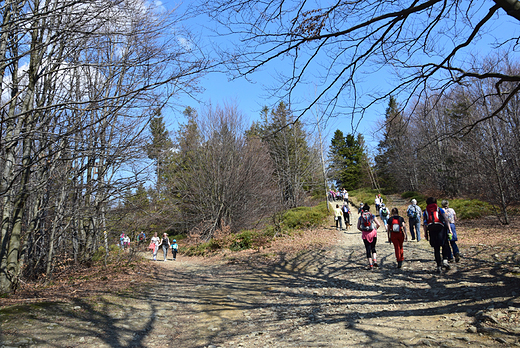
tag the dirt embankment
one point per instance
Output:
(313, 291)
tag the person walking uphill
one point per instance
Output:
(414, 219)
(346, 214)
(338, 216)
(397, 235)
(366, 224)
(436, 229)
(452, 216)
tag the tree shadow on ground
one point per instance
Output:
(326, 292)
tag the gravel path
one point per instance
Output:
(318, 298)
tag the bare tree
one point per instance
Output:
(224, 179)
(425, 43)
(77, 82)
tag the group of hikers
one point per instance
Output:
(339, 195)
(154, 246)
(124, 240)
(438, 228)
(156, 243)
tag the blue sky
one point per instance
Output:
(250, 96)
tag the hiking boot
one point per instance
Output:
(439, 269)
(399, 264)
(375, 264)
(457, 257)
(445, 264)
(370, 267)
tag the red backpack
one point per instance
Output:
(394, 224)
(433, 221)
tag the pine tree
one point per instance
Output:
(347, 160)
(160, 147)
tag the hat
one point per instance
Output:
(414, 201)
(175, 241)
(383, 205)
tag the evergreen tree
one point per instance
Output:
(160, 147)
(389, 160)
(347, 160)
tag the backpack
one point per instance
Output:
(366, 222)
(141, 237)
(384, 212)
(395, 225)
(412, 213)
(433, 221)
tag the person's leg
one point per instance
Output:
(395, 241)
(368, 249)
(340, 220)
(165, 251)
(437, 254)
(449, 255)
(453, 243)
(174, 253)
(373, 251)
(412, 225)
(456, 251)
(418, 230)
(400, 241)
(446, 252)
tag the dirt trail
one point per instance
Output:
(320, 298)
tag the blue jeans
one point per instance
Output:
(415, 227)
(384, 220)
(453, 243)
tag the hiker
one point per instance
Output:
(346, 214)
(360, 210)
(165, 243)
(142, 238)
(414, 219)
(436, 229)
(384, 214)
(338, 216)
(126, 242)
(369, 234)
(452, 216)
(175, 248)
(122, 241)
(154, 245)
(377, 203)
(397, 235)
(345, 196)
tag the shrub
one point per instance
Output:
(420, 198)
(365, 195)
(305, 217)
(242, 240)
(469, 208)
(294, 219)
